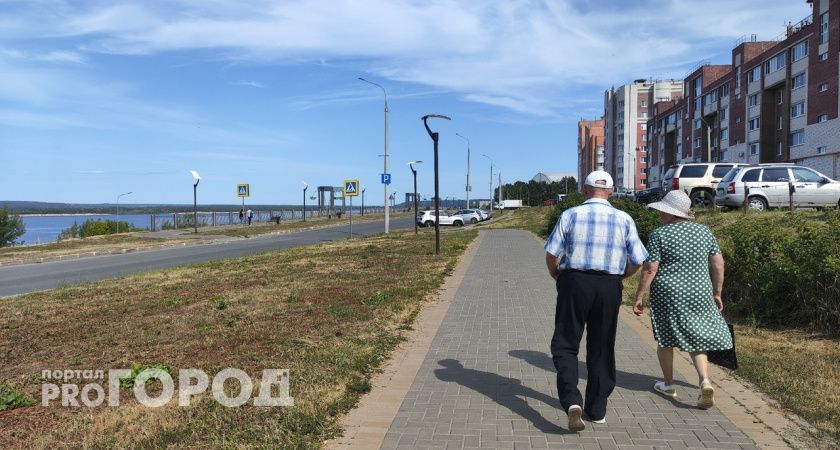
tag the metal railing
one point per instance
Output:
(174, 221)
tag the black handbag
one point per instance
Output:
(725, 358)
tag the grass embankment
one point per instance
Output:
(329, 313)
(796, 366)
(103, 243)
(294, 225)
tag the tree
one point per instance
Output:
(11, 227)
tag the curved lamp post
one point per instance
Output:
(414, 172)
(385, 186)
(118, 203)
(197, 178)
(469, 188)
(435, 137)
(305, 187)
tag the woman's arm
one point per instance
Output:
(649, 270)
(716, 262)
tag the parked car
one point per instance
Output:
(469, 215)
(427, 219)
(769, 187)
(698, 180)
(484, 214)
(624, 193)
(650, 195)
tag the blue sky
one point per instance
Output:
(98, 98)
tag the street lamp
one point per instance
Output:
(385, 186)
(469, 188)
(491, 181)
(435, 137)
(197, 178)
(363, 200)
(118, 204)
(414, 172)
(305, 187)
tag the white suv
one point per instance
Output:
(770, 187)
(698, 180)
(427, 219)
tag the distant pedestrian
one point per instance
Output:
(592, 247)
(685, 300)
(241, 215)
(250, 216)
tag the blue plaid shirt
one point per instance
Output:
(596, 236)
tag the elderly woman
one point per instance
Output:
(685, 301)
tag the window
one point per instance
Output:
(754, 74)
(643, 115)
(679, 148)
(720, 171)
(751, 175)
(823, 28)
(779, 97)
(698, 171)
(753, 100)
(724, 90)
(724, 134)
(823, 87)
(799, 51)
(779, 122)
(738, 78)
(644, 126)
(824, 56)
(644, 138)
(698, 103)
(644, 170)
(698, 142)
(779, 148)
(755, 123)
(797, 137)
(643, 159)
(798, 81)
(776, 63)
(823, 118)
(738, 119)
(776, 174)
(698, 124)
(821, 150)
(804, 175)
(723, 113)
(797, 109)
(698, 86)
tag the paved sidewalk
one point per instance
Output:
(487, 380)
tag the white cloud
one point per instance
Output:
(248, 83)
(524, 55)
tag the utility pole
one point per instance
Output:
(469, 188)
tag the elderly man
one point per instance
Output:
(592, 248)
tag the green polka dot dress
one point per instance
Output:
(682, 306)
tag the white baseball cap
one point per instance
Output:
(599, 179)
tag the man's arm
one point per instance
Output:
(551, 263)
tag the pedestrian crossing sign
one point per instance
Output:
(351, 188)
(243, 190)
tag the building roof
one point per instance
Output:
(545, 177)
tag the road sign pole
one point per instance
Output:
(350, 214)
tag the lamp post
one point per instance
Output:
(385, 186)
(469, 188)
(363, 200)
(118, 203)
(435, 137)
(491, 182)
(414, 172)
(305, 187)
(197, 178)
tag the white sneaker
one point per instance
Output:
(707, 395)
(601, 420)
(668, 390)
(575, 423)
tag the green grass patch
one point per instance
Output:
(10, 398)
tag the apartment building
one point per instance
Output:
(626, 113)
(777, 101)
(590, 147)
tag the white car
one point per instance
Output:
(470, 215)
(427, 219)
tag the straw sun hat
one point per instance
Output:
(675, 203)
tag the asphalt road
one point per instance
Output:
(21, 279)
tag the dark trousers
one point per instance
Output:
(591, 300)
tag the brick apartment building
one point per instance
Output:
(626, 113)
(590, 147)
(777, 101)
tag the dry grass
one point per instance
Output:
(329, 313)
(74, 246)
(530, 219)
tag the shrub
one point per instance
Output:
(10, 399)
(11, 227)
(783, 269)
(96, 227)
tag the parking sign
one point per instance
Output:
(386, 178)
